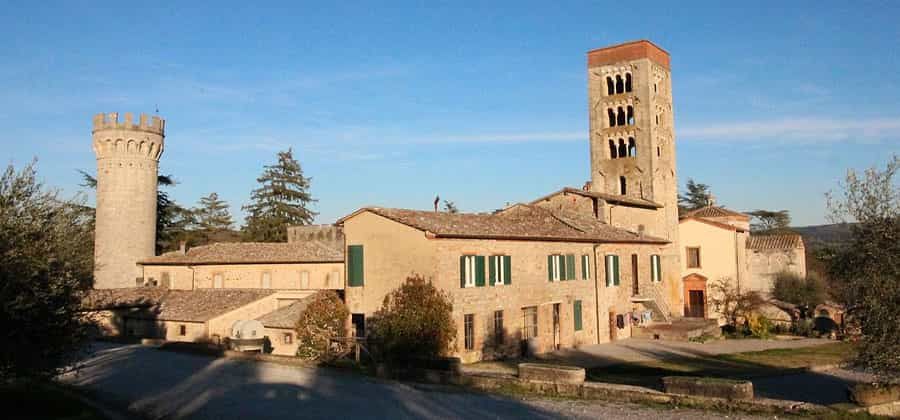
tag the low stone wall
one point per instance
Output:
(557, 374)
(728, 389)
(875, 394)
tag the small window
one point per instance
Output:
(612, 270)
(530, 322)
(655, 269)
(304, 279)
(693, 257)
(218, 281)
(623, 185)
(499, 334)
(266, 280)
(657, 151)
(287, 338)
(469, 326)
(555, 268)
(359, 325)
(585, 267)
(182, 330)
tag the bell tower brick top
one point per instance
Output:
(628, 51)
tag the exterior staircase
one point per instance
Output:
(680, 329)
(652, 300)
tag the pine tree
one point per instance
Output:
(697, 196)
(212, 215)
(281, 200)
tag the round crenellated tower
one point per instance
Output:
(127, 166)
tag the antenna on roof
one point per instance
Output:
(437, 199)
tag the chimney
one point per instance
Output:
(437, 199)
(711, 201)
(182, 247)
(586, 186)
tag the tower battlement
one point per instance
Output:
(108, 121)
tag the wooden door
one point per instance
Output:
(556, 343)
(697, 304)
(635, 287)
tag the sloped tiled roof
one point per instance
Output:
(779, 241)
(252, 252)
(287, 316)
(714, 211)
(523, 222)
(174, 305)
(612, 198)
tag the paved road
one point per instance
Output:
(163, 384)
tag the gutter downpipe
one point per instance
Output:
(597, 292)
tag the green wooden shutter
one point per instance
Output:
(462, 271)
(570, 266)
(356, 270)
(507, 269)
(479, 270)
(616, 270)
(562, 267)
(576, 308)
(550, 268)
(492, 266)
(583, 268)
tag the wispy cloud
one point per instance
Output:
(796, 130)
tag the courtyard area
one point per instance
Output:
(162, 384)
(796, 369)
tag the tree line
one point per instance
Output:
(282, 199)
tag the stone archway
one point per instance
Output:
(695, 296)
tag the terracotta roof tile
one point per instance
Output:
(714, 211)
(287, 316)
(174, 305)
(253, 252)
(780, 241)
(522, 222)
(612, 198)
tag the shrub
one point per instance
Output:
(805, 293)
(734, 304)
(323, 319)
(760, 326)
(415, 321)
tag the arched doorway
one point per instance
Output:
(695, 296)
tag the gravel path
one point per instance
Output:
(163, 384)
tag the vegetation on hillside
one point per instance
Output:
(46, 255)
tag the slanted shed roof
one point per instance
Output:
(611, 198)
(714, 211)
(523, 222)
(251, 253)
(777, 241)
(174, 305)
(287, 316)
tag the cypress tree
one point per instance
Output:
(281, 200)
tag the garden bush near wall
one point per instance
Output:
(323, 319)
(415, 321)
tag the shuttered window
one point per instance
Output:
(576, 310)
(555, 267)
(471, 271)
(499, 271)
(655, 269)
(693, 257)
(356, 270)
(570, 267)
(612, 270)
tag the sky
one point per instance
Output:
(482, 103)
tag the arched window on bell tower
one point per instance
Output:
(630, 115)
(612, 117)
(622, 185)
(620, 120)
(620, 85)
(627, 82)
(632, 147)
(610, 86)
(612, 149)
(623, 150)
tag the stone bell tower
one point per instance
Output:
(127, 165)
(632, 136)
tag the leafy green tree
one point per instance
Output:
(869, 265)
(173, 222)
(414, 321)
(697, 196)
(282, 200)
(212, 214)
(323, 319)
(46, 265)
(766, 221)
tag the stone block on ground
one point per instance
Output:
(551, 373)
(728, 389)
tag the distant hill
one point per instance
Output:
(815, 237)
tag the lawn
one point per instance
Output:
(736, 366)
(35, 400)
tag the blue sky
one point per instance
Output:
(484, 103)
